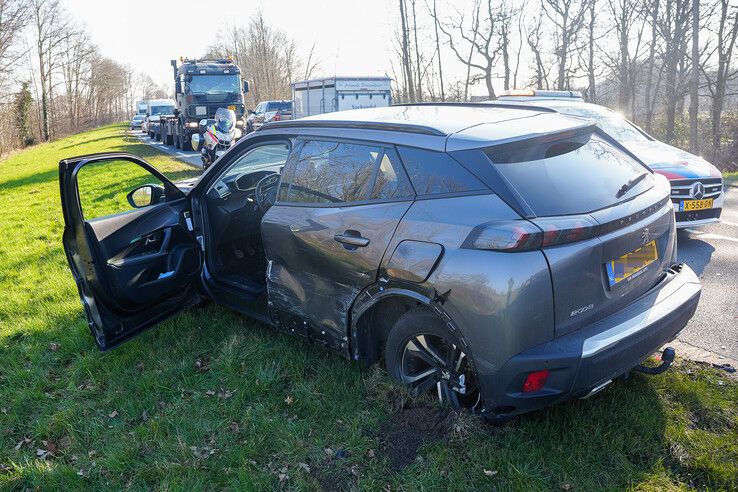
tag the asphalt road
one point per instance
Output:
(712, 252)
(190, 157)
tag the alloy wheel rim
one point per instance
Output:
(431, 363)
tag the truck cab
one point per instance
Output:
(201, 87)
(155, 110)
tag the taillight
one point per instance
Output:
(522, 235)
(512, 235)
(561, 230)
(535, 381)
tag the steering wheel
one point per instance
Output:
(265, 193)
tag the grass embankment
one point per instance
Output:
(211, 400)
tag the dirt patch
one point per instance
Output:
(410, 429)
(718, 420)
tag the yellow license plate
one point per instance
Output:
(631, 264)
(686, 205)
(232, 107)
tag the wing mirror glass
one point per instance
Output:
(146, 195)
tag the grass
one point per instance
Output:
(731, 178)
(212, 400)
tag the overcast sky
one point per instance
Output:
(352, 37)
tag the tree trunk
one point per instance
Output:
(438, 52)
(410, 94)
(694, 92)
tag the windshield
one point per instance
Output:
(214, 84)
(161, 110)
(612, 123)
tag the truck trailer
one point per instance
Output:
(317, 96)
(202, 86)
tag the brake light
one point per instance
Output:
(535, 381)
(513, 235)
(520, 92)
(566, 229)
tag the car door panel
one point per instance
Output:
(314, 275)
(132, 269)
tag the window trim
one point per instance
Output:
(385, 149)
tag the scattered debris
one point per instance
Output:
(25, 441)
(725, 367)
(202, 364)
(113, 414)
(342, 453)
(203, 453)
(490, 473)
(54, 347)
(289, 400)
(233, 427)
(304, 466)
(567, 486)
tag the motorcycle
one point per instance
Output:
(216, 136)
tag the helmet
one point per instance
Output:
(225, 120)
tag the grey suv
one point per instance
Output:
(502, 257)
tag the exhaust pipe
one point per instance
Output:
(667, 357)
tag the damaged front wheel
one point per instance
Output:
(423, 354)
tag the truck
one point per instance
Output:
(157, 110)
(202, 86)
(326, 95)
(141, 107)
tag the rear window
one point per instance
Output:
(569, 176)
(279, 106)
(434, 173)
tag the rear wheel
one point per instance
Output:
(423, 354)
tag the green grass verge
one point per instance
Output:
(731, 178)
(212, 400)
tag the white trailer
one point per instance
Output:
(311, 97)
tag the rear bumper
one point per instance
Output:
(588, 359)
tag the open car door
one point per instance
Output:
(128, 243)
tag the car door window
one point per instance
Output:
(104, 188)
(337, 172)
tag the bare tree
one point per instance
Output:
(673, 26)
(13, 16)
(695, 85)
(51, 29)
(651, 13)
(534, 38)
(434, 14)
(567, 17)
(478, 37)
(406, 60)
(727, 35)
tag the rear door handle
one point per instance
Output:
(352, 240)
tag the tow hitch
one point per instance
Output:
(667, 357)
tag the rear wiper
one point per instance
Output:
(629, 185)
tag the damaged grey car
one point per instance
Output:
(503, 258)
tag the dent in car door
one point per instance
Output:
(132, 269)
(325, 239)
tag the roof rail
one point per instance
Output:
(362, 125)
(485, 104)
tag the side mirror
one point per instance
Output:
(245, 85)
(177, 87)
(147, 115)
(251, 111)
(146, 195)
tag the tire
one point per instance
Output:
(186, 144)
(420, 345)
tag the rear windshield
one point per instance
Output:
(279, 106)
(570, 176)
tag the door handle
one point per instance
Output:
(352, 239)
